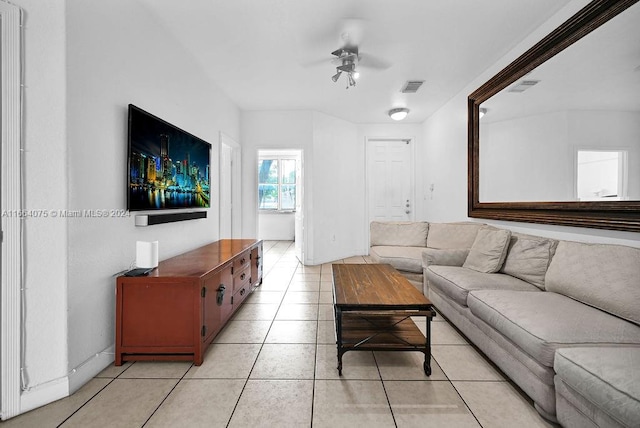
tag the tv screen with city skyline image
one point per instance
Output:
(168, 168)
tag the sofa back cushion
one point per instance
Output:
(398, 233)
(452, 235)
(528, 258)
(604, 276)
(489, 250)
(444, 257)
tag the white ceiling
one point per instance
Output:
(276, 54)
(599, 72)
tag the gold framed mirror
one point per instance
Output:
(512, 175)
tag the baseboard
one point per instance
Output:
(44, 394)
(65, 386)
(90, 368)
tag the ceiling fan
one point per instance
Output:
(348, 59)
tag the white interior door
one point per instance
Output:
(390, 189)
(226, 209)
(230, 188)
(299, 215)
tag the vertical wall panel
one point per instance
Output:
(11, 203)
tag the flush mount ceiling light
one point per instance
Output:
(398, 113)
(483, 111)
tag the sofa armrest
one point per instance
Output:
(441, 257)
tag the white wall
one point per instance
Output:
(45, 189)
(445, 161)
(526, 159)
(334, 175)
(263, 130)
(117, 54)
(84, 62)
(338, 189)
(538, 152)
(275, 226)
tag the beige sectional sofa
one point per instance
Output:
(403, 244)
(560, 318)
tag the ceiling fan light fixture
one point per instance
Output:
(398, 113)
(356, 75)
(336, 76)
(352, 81)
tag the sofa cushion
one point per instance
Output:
(402, 258)
(443, 257)
(528, 257)
(541, 322)
(600, 275)
(452, 235)
(456, 282)
(398, 233)
(489, 250)
(608, 378)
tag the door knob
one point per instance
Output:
(407, 211)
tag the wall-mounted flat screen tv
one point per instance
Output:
(168, 168)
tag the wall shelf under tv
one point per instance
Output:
(151, 219)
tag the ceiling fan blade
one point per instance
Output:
(315, 62)
(351, 31)
(371, 61)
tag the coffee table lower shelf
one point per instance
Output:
(382, 331)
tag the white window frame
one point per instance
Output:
(279, 184)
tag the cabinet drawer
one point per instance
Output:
(241, 261)
(241, 279)
(242, 294)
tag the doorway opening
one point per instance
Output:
(230, 188)
(601, 175)
(280, 197)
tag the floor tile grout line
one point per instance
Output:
(89, 400)
(315, 355)
(166, 396)
(295, 270)
(466, 404)
(96, 394)
(384, 389)
(261, 347)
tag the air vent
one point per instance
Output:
(412, 86)
(524, 85)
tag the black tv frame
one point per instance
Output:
(155, 150)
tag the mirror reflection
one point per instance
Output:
(570, 129)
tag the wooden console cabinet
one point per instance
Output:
(176, 311)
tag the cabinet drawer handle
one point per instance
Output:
(242, 292)
(243, 261)
(242, 277)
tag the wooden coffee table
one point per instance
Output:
(373, 306)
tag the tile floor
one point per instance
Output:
(274, 365)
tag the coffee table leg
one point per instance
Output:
(427, 354)
(338, 312)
